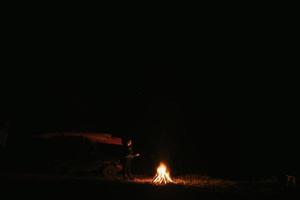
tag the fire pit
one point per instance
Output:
(162, 175)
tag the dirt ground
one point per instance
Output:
(187, 187)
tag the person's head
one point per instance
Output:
(129, 142)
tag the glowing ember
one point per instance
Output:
(162, 176)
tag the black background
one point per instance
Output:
(221, 102)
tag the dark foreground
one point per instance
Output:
(57, 187)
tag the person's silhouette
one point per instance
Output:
(127, 160)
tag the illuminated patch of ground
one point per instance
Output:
(192, 180)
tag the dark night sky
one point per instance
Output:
(180, 116)
(216, 103)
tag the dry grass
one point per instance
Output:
(192, 180)
(203, 181)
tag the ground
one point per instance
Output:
(186, 187)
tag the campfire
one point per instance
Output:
(162, 175)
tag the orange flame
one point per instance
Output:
(162, 176)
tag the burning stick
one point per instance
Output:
(162, 176)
